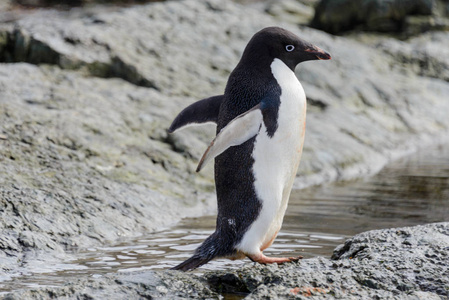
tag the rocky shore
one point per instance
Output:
(399, 263)
(86, 96)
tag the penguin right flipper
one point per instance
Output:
(202, 111)
(238, 131)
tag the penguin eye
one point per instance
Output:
(289, 48)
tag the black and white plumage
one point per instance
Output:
(260, 133)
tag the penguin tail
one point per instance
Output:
(212, 247)
(192, 263)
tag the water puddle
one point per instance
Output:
(411, 191)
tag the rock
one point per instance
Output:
(137, 285)
(380, 15)
(400, 263)
(379, 264)
(423, 55)
(414, 25)
(85, 163)
(292, 11)
(86, 42)
(68, 3)
(87, 95)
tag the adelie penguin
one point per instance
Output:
(260, 133)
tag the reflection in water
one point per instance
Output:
(411, 191)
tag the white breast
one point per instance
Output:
(276, 161)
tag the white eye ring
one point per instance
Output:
(289, 48)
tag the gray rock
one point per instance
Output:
(292, 11)
(138, 285)
(83, 162)
(392, 263)
(400, 263)
(423, 55)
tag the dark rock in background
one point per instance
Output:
(411, 17)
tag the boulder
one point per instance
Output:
(374, 15)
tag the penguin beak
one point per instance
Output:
(319, 53)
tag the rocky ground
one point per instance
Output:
(86, 96)
(400, 263)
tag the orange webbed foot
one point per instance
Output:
(262, 259)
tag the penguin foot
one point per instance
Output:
(262, 259)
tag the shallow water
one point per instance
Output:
(411, 191)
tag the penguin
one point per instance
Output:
(260, 122)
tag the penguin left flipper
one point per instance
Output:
(238, 131)
(202, 111)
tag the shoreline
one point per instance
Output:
(370, 264)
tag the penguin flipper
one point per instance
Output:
(238, 131)
(202, 111)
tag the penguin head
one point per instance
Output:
(275, 42)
